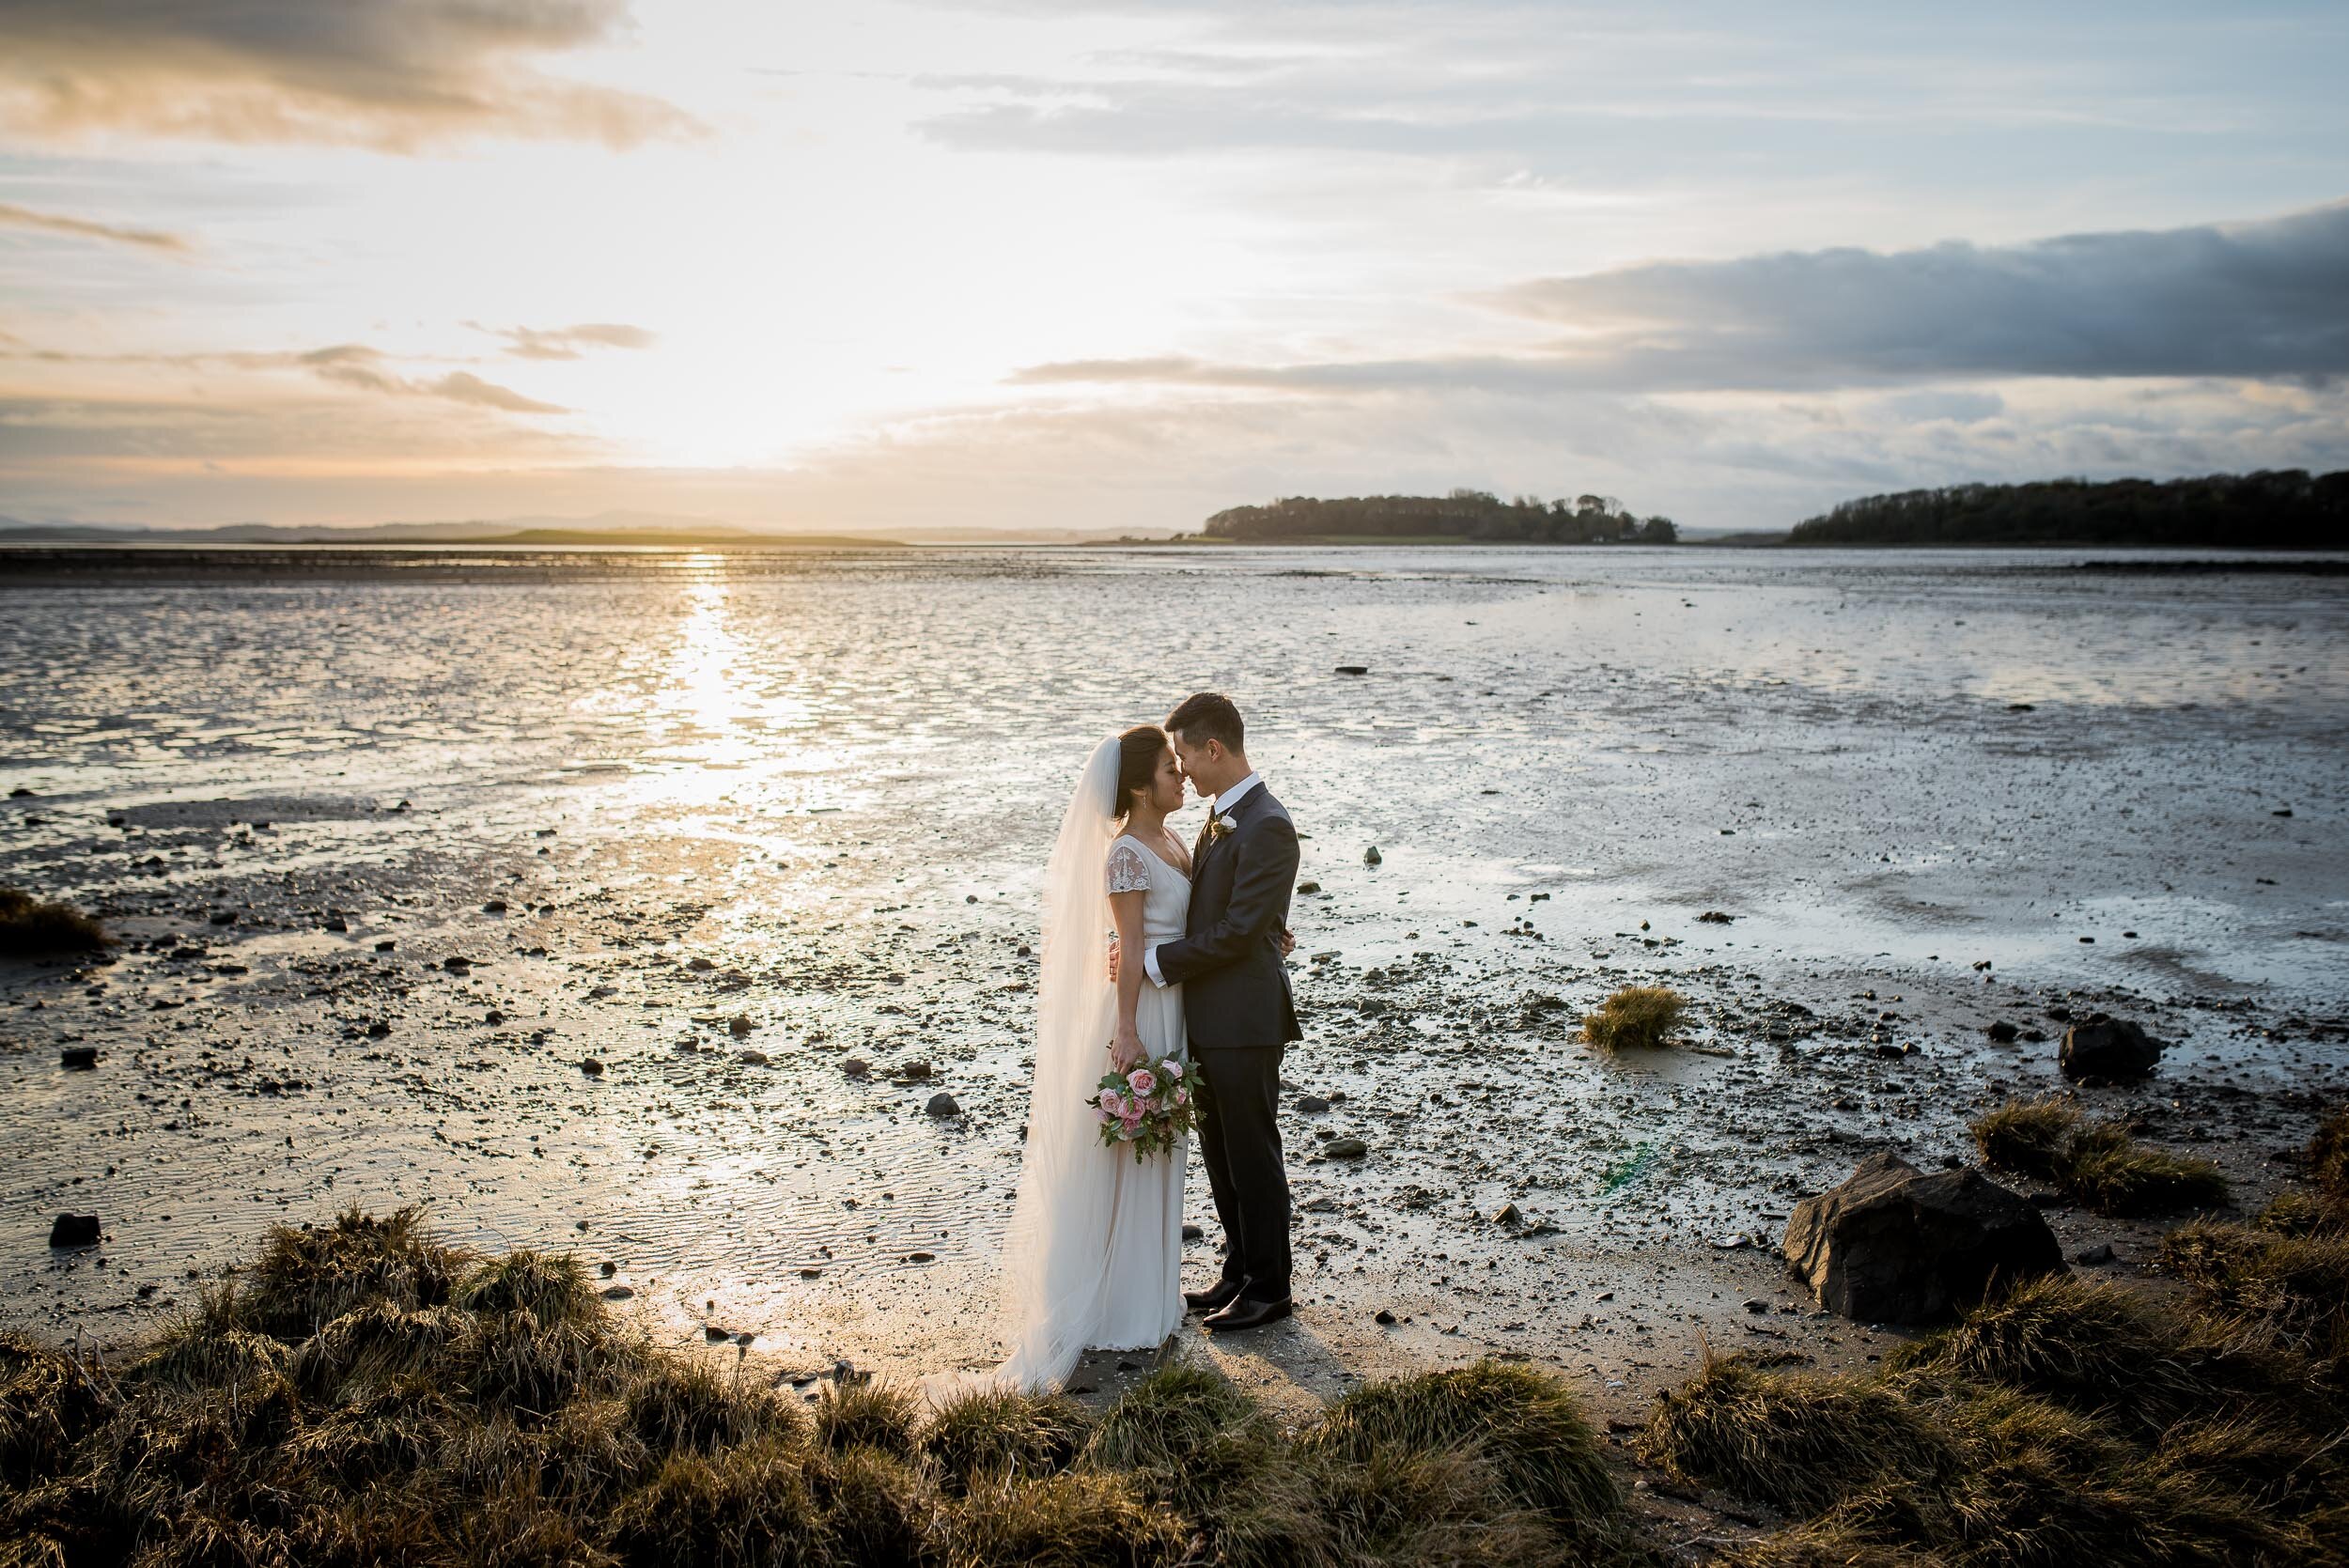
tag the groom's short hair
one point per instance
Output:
(1205, 716)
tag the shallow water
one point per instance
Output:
(834, 777)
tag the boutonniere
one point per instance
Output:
(1219, 826)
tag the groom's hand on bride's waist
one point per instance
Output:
(1287, 940)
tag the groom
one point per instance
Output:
(1236, 1006)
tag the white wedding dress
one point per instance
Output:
(1095, 1253)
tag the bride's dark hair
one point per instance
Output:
(1139, 750)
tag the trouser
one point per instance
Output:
(1240, 1138)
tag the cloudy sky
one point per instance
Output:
(1027, 263)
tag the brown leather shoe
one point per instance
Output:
(1221, 1294)
(1245, 1314)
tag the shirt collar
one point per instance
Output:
(1230, 798)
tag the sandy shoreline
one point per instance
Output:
(855, 890)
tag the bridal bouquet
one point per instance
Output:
(1146, 1108)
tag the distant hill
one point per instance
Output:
(2283, 509)
(1465, 515)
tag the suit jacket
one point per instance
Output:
(1236, 986)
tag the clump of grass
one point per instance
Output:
(690, 1407)
(517, 1364)
(2328, 1157)
(1636, 1017)
(2093, 1346)
(392, 1431)
(877, 1509)
(2064, 1423)
(203, 1352)
(46, 1404)
(2292, 1291)
(1196, 1443)
(2283, 1279)
(552, 1289)
(2094, 1163)
(1798, 1442)
(305, 1278)
(1002, 1431)
(1526, 1426)
(1407, 1504)
(1822, 1543)
(35, 928)
(1076, 1519)
(377, 1344)
(2114, 1175)
(874, 1414)
(747, 1506)
(2027, 1137)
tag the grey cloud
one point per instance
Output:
(394, 74)
(14, 216)
(2262, 301)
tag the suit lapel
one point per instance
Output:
(1236, 813)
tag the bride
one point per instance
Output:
(1096, 1246)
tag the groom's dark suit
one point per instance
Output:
(1239, 1015)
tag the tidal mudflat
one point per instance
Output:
(642, 906)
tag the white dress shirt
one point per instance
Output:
(1221, 803)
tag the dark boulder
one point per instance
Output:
(74, 1230)
(2108, 1051)
(1894, 1244)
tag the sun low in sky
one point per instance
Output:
(1045, 266)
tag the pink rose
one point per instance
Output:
(1182, 1096)
(1110, 1101)
(1171, 1067)
(1140, 1081)
(1133, 1125)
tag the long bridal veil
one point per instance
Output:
(1057, 1276)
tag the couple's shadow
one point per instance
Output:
(1288, 1365)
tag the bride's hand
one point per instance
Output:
(1127, 1052)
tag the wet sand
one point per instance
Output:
(605, 812)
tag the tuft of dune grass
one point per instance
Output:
(748, 1506)
(1636, 1017)
(36, 928)
(2094, 1163)
(878, 1509)
(307, 1277)
(1196, 1443)
(2283, 1279)
(1076, 1519)
(1524, 1423)
(691, 1406)
(1798, 1442)
(876, 1414)
(365, 1396)
(2329, 1157)
(2062, 1424)
(1003, 1432)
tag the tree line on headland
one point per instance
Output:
(1465, 514)
(2285, 510)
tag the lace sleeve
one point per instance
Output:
(1129, 870)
